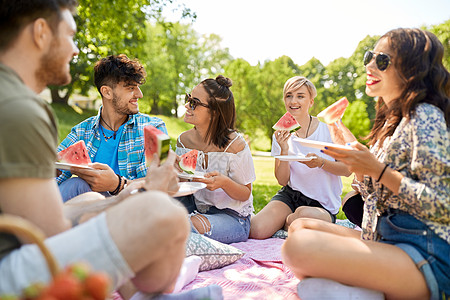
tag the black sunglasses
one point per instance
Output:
(193, 102)
(382, 60)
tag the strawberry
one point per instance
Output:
(97, 285)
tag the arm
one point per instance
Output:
(215, 180)
(282, 168)
(35, 199)
(333, 167)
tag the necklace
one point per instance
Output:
(107, 137)
(307, 130)
(107, 125)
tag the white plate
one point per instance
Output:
(196, 174)
(187, 188)
(322, 145)
(65, 166)
(294, 158)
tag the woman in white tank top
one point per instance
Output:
(222, 210)
(311, 189)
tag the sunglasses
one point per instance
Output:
(193, 102)
(382, 60)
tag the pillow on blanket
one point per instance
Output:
(213, 253)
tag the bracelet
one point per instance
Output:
(322, 164)
(382, 172)
(116, 191)
(125, 183)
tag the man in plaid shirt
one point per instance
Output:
(114, 138)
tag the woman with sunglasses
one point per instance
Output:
(222, 210)
(403, 249)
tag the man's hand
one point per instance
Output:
(101, 179)
(162, 177)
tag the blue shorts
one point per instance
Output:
(430, 253)
(294, 199)
(227, 226)
(88, 242)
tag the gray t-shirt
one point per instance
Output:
(28, 136)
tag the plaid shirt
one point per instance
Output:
(131, 146)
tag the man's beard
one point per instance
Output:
(122, 108)
(52, 67)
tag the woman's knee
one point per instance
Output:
(201, 223)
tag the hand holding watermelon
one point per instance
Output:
(162, 177)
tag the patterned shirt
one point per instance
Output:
(420, 150)
(130, 156)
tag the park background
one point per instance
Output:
(177, 57)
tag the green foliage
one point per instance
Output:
(356, 119)
(442, 31)
(67, 117)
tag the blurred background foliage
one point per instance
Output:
(177, 58)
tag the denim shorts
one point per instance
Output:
(429, 252)
(294, 199)
(88, 242)
(227, 226)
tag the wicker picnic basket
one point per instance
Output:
(29, 233)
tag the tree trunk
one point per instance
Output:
(56, 97)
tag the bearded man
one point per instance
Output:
(114, 138)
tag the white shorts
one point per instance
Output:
(88, 242)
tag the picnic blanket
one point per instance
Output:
(259, 274)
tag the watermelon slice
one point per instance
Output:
(155, 141)
(189, 161)
(75, 154)
(287, 122)
(333, 112)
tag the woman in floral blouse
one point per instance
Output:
(404, 248)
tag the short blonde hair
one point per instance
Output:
(297, 82)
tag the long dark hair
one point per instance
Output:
(418, 60)
(223, 111)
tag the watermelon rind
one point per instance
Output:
(287, 122)
(162, 144)
(189, 157)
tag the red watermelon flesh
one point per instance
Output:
(287, 122)
(188, 161)
(333, 112)
(155, 141)
(75, 154)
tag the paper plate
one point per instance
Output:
(187, 188)
(65, 166)
(322, 145)
(200, 175)
(293, 158)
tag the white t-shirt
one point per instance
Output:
(238, 167)
(315, 183)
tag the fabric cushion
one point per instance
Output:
(213, 253)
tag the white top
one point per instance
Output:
(239, 167)
(315, 183)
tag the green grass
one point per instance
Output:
(265, 185)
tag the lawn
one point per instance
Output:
(264, 187)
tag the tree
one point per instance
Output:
(103, 31)
(442, 31)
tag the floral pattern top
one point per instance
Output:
(420, 150)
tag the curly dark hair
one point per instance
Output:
(223, 111)
(118, 68)
(419, 55)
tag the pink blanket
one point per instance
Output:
(259, 274)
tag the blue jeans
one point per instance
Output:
(75, 186)
(227, 226)
(429, 252)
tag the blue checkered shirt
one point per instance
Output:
(130, 156)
